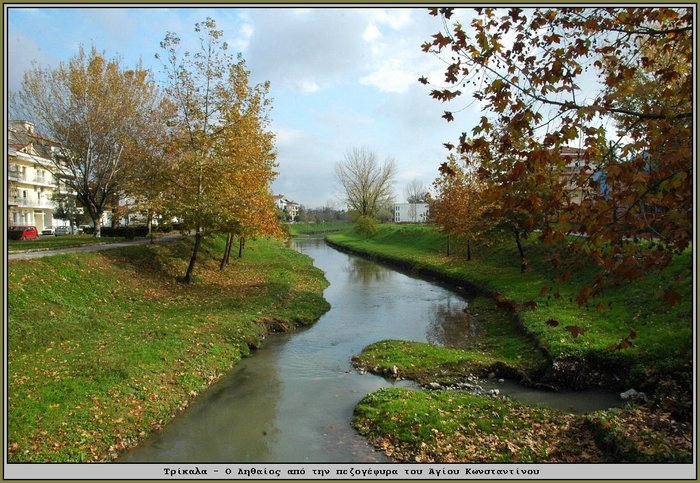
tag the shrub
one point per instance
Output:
(366, 225)
(125, 231)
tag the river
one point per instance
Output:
(292, 401)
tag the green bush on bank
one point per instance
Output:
(105, 347)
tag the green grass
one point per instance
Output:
(500, 347)
(455, 426)
(662, 347)
(296, 229)
(55, 242)
(105, 347)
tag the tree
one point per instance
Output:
(222, 155)
(460, 204)
(67, 208)
(148, 186)
(95, 109)
(527, 68)
(366, 183)
(415, 193)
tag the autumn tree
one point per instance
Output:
(460, 205)
(95, 109)
(548, 78)
(215, 137)
(367, 184)
(149, 185)
(251, 211)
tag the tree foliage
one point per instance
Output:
(366, 183)
(460, 205)
(552, 78)
(221, 150)
(95, 109)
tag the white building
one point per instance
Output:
(30, 180)
(411, 212)
(291, 208)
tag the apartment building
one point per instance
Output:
(291, 208)
(30, 180)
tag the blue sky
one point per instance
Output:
(340, 78)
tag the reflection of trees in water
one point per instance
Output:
(365, 272)
(453, 325)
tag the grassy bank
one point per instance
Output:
(662, 347)
(452, 425)
(455, 426)
(106, 347)
(296, 229)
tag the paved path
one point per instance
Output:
(88, 248)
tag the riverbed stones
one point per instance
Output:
(469, 384)
(633, 395)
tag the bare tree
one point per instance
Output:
(415, 193)
(366, 183)
(94, 109)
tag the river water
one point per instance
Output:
(292, 401)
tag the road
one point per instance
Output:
(88, 248)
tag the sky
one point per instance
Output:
(340, 78)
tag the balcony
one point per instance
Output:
(30, 202)
(15, 175)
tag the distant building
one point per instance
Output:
(411, 212)
(575, 165)
(290, 208)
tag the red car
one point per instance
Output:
(22, 233)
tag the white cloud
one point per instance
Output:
(308, 86)
(242, 40)
(395, 18)
(288, 49)
(371, 33)
(391, 76)
(288, 136)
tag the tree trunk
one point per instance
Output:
(193, 259)
(523, 261)
(96, 222)
(448, 244)
(469, 250)
(241, 245)
(149, 224)
(227, 252)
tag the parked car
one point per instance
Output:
(62, 230)
(47, 231)
(22, 233)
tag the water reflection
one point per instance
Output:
(364, 272)
(453, 325)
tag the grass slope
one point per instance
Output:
(105, 347)
(296, 229)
